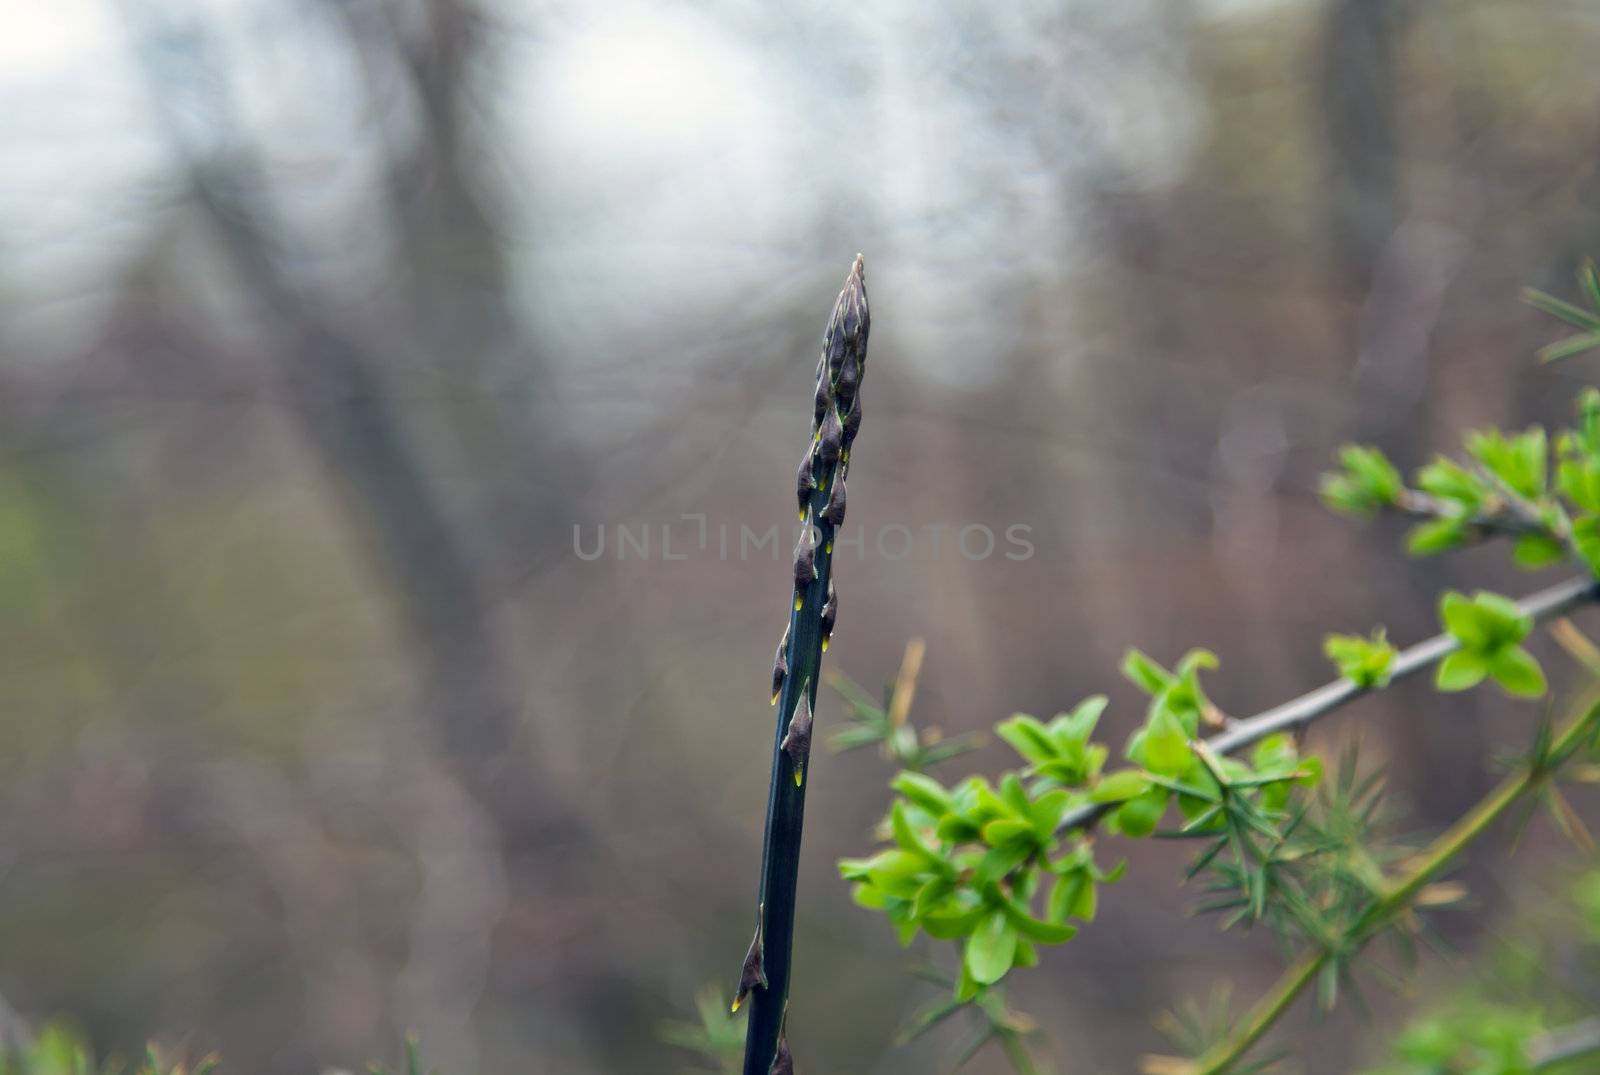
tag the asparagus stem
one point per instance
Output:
(820, 487)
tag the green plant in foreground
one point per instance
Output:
(58, 1050)
(820, 494)
(1004, 868)
(718, 1035)
(1531, 1010)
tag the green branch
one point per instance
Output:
(1298, 712)
(1530, 777)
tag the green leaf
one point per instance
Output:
(1365, 662)
(1461, 670)
(1087, 903)
(1139, 816)
(1517, 672)
(1028, 737)
(864, 895)
(1449, 480)
(1046, 813)
(955, 829)
(1435, 536)
(1119, 786)
(924, 791)
(1000, 861)
(1519, 460)
(1345, 496)
(906, 837)
(1373, 468)
(1077, 726)
(1015, 795)
(1275, 752)
(991, 949)
(1503, 621)
(1145, 673)
(897, 872)
(1365, 482)
(1006, 829)
(1586, 537)
(931, 895)
(1533, 461)
(1064, 894)
(948, 926)
(968, 987)
(1579, 481)
(1463, 620)
(988, 805)
(1166, 746)
(1027, 954)
(1037, 929)
(1533, 551)
(1588, 409)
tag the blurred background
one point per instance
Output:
(376, 377)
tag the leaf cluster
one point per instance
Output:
(1511, 483)
(1489, 629)
(995, 868)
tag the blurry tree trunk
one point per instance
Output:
(333, 389)
(504, 416)
(1361, 39)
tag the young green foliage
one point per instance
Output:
(1365, 482)
(1363, 661)
(1490, 630)
(1005, 868)
(1505, 486)
(992, 866)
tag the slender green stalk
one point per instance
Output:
(1017, 1053)
(1527, 779)
(820, 495)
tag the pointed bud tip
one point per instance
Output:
(752, 975)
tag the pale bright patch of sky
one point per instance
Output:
(649, 163)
